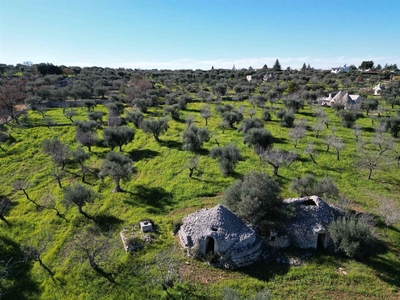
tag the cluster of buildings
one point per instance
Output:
(218, 231)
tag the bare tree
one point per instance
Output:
(297, 133)
(93, 246)
(49, 202)
(277, 158)
(34, 249)
(192, 164)
(163, 270)
(58, 174)
(311, 151)
(338, 144)
(383, 142)
(389, 209)
(322, 116)
(10, 94)
(371, 157)
(205, 113)
(57, 150)
(80, 156)
(317, 128)
(23, 185)
(357, 129)
(70, 114)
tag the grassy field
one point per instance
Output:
(162, 191)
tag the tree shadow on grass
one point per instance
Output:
(306, 113)
(279, 140)
(156, 197)
(137, 155)
(386, 269)
(171, 144)
(264, 271)
(17, 272)
(106, 222)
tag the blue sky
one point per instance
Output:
(200, 34)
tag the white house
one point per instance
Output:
(341, 97)
(340, 69)
(378, 89)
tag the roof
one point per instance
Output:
(312, 214)
(217, 218)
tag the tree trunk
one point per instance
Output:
(206, 121)
(4, 219)
(370, 173)
(59, 182)
(117, 188)
(191, 172)
(337, 154)
(312, 158)
(26, 194)
(276, 170)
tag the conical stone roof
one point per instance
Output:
(230, 234)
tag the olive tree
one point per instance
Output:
(78, 195)
(254, 198)
(118, 136)
(309, 185)
(155, 127)
(277, 158)
(193, 138)
(227, 157)
(117, 166)
(58, 151)
(258, 137)
(205, 113)
(94, 246)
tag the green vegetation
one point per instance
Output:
(83, 257)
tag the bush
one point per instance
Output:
(176, 225)
(353, 236)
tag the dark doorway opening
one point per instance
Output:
(210, 245)
(321, 241)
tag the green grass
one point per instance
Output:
(161, 190)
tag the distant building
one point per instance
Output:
(269, 78)
(378, 89)
(248, 77)
(340, 69)
(341, 97)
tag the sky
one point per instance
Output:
(200, 34)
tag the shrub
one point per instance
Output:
(353, 236)
(176, 225)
